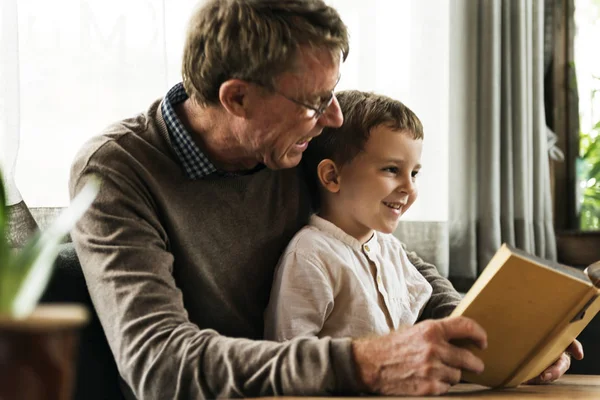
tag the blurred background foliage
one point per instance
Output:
(587, 60)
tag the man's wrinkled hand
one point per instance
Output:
(560, 366)
(419, 360)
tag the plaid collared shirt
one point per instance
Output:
(194, 161)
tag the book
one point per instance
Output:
(531, 309)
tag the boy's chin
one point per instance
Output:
(388, 229)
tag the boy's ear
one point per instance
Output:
(328, 174)
(233, 95)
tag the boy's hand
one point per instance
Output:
(560, 366)
(419, 360)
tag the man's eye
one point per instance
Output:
(316, 103)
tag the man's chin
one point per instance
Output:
(284, 163)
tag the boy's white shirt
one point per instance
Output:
(324, 286)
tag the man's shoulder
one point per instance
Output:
(124, 138)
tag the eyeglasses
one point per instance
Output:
(313, 111)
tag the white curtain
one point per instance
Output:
(473, 72)
(76, 66)
(9, 97)
(71, 67)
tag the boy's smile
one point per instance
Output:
(377, 186)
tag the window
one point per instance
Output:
(587, 67)
(573, 112)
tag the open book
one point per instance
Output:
(531, 309)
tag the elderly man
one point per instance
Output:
(200, 195)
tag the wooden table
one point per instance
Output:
(568, 387)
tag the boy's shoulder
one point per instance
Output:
(389, 240)
(310, 238)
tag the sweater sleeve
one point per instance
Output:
(160, 353)
(301, 298)
(444, 297)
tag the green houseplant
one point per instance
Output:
(38, 342)
(588, 166)
(590, 172)
(25, 272)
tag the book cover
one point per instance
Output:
(531, 309)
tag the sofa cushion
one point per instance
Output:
(97, 376)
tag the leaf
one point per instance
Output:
(4, 279)
(590, 147)
(594, 172)
(35, 260)
(2, 207)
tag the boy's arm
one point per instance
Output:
(444, 297)
(301, 298)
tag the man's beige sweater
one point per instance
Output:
(180, 272)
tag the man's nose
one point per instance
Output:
(332, 116)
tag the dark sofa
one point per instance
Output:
(97, 377)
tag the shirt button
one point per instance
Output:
(367, 247)
(379, 279)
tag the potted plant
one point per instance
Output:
(37, 343)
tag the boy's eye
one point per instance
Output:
(415, 174)
(393, 170)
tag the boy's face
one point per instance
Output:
(378, 185)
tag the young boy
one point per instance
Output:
(345, 274)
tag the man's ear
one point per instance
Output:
(328, 174)
(233, 95)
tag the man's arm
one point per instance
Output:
(301, 298)
(444, 297)
(123, 248)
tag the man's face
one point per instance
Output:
(378, 185)
(283, 127)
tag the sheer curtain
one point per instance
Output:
(75, 66)
(502, 159)
(473, 72)
(9, 97)
(403, 49)
(71, 67)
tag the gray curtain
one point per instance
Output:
(512, 199)
(499, 178)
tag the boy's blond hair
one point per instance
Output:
(362, 111)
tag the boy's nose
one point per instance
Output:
(406, 186)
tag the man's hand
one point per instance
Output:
(419, 360)
(560, 366)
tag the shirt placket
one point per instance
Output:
(371, 254)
